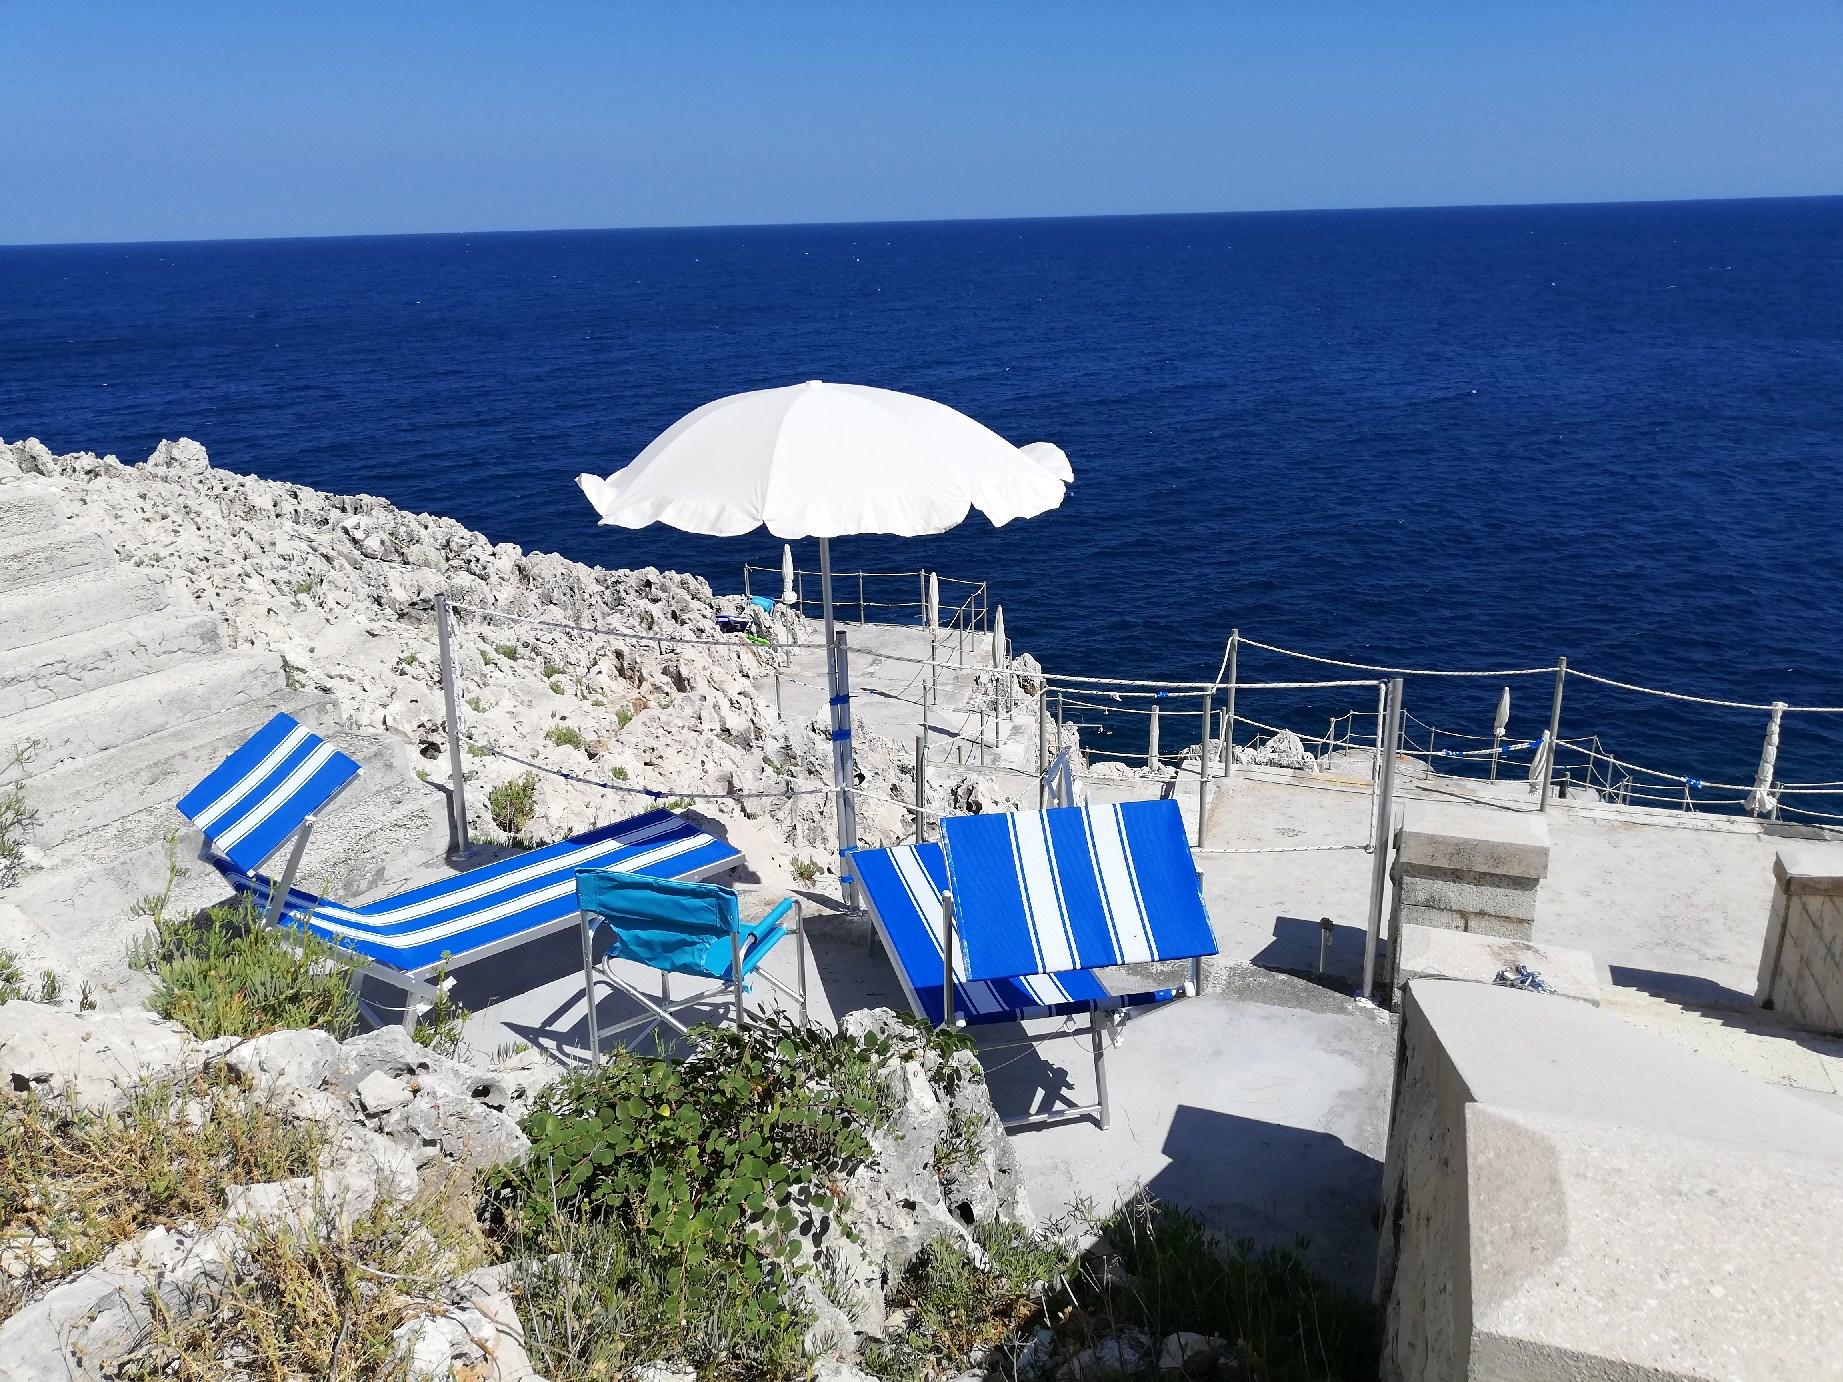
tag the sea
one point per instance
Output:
(1457, 438)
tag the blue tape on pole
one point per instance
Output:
(840, 700)
(1693, 782)
(840, 735)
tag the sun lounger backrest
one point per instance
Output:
(685, 928)
(1084, 887)
(259, 796)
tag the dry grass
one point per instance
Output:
(319, 1307)
(88, 1181)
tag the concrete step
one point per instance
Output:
(86, 600)
(78, 662)
(86, 793)
(83, 726)
(27, 509)
(50, 554)
(89, 889)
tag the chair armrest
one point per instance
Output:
(760, 930)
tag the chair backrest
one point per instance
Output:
(684, 928)
(256, 798)
(1039, 892)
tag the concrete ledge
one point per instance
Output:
(1467, 923)
(1569, 1197)
(1436, 952)
(1450, 895)
(1811, 867)
(1459, 837)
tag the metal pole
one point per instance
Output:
(747, 594)
(457, 780)
(860, 599)
(1228, 739)
(1151, 743)
(921, 787)
(1203, 772)
(1379, 844)
(922, 599)
(1548, 758)
(844, 767)
(1042, 746)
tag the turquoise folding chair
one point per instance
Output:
(694, 929)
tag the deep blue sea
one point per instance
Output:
(1471, 437)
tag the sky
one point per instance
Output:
(156, 120)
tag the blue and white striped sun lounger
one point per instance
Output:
(1028, 904)
(443, 925)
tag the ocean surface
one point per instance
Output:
(1445, 438)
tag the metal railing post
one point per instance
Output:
(921, 787)
(1042, 744)
(1228, 739)
(861, 599)
(746, 592)
(1388, 740)
(1203, 771)
(844, 770)
(1151, 745)
(457, 778)
(1548, 759)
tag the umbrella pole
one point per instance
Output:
(839, 697)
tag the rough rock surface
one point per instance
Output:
(343, 588)
(92, 1059)
(942, 1166)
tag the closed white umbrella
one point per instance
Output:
(825, 460)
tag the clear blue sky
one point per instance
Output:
(159, 120)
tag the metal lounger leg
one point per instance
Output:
(947, 994)
(588, 983)
(278, 892)
(1097, 1034)
(800, 952)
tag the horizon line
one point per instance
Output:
(913, 221)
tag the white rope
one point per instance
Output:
(1395, 671)
(1704, 700)
(1277, 849)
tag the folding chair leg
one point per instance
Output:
(588, 984)
(736, 971)
(800, 953)
(278, 892)
(1097, 1036)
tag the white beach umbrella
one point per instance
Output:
(1051, 458)
(825, 460)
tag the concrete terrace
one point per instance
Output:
(1263, 1104)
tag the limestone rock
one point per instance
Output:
(1126, 1354)
(91, 1058)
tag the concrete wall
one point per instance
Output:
(1467, 867)
(1433, 952)
(1568, 1197)
(1801, 963)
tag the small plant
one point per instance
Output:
(478, 750)
(16, 818)
(805, 870)
(304, 586)
(408, 660)
(440, 1027)
(557, 688)
(618, 773)
(487, 659)
(622, 718)
(509, 651)
(226, 973)
(551, 669)
(320, 1305)
(12, 977)
(50, 987)
(959, 1145)
(514, 804)
(564, 736)
(475, 704)
(294, 676)
(680, 804)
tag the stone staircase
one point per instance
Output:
(123, 694)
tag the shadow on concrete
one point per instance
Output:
(1278, 1186)
(1690, 989)
(1294, 950)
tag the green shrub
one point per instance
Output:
(551, 669)
(514, 804)
(805, 870)
(475, 704)
(618, 773)
(12, 977)
(509, 651)
(567, 736)
(478, 750)
(679, 1190)
(557, 688)
(622, 718)
(224, 973)
(440, 1027)
(87, 1180)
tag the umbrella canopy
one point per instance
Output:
(824, 460)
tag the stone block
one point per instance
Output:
(1463, 838)
(1430, 952)
(1474, 923)
(1450, 895)
(1801, 959)
(1569, 1197)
